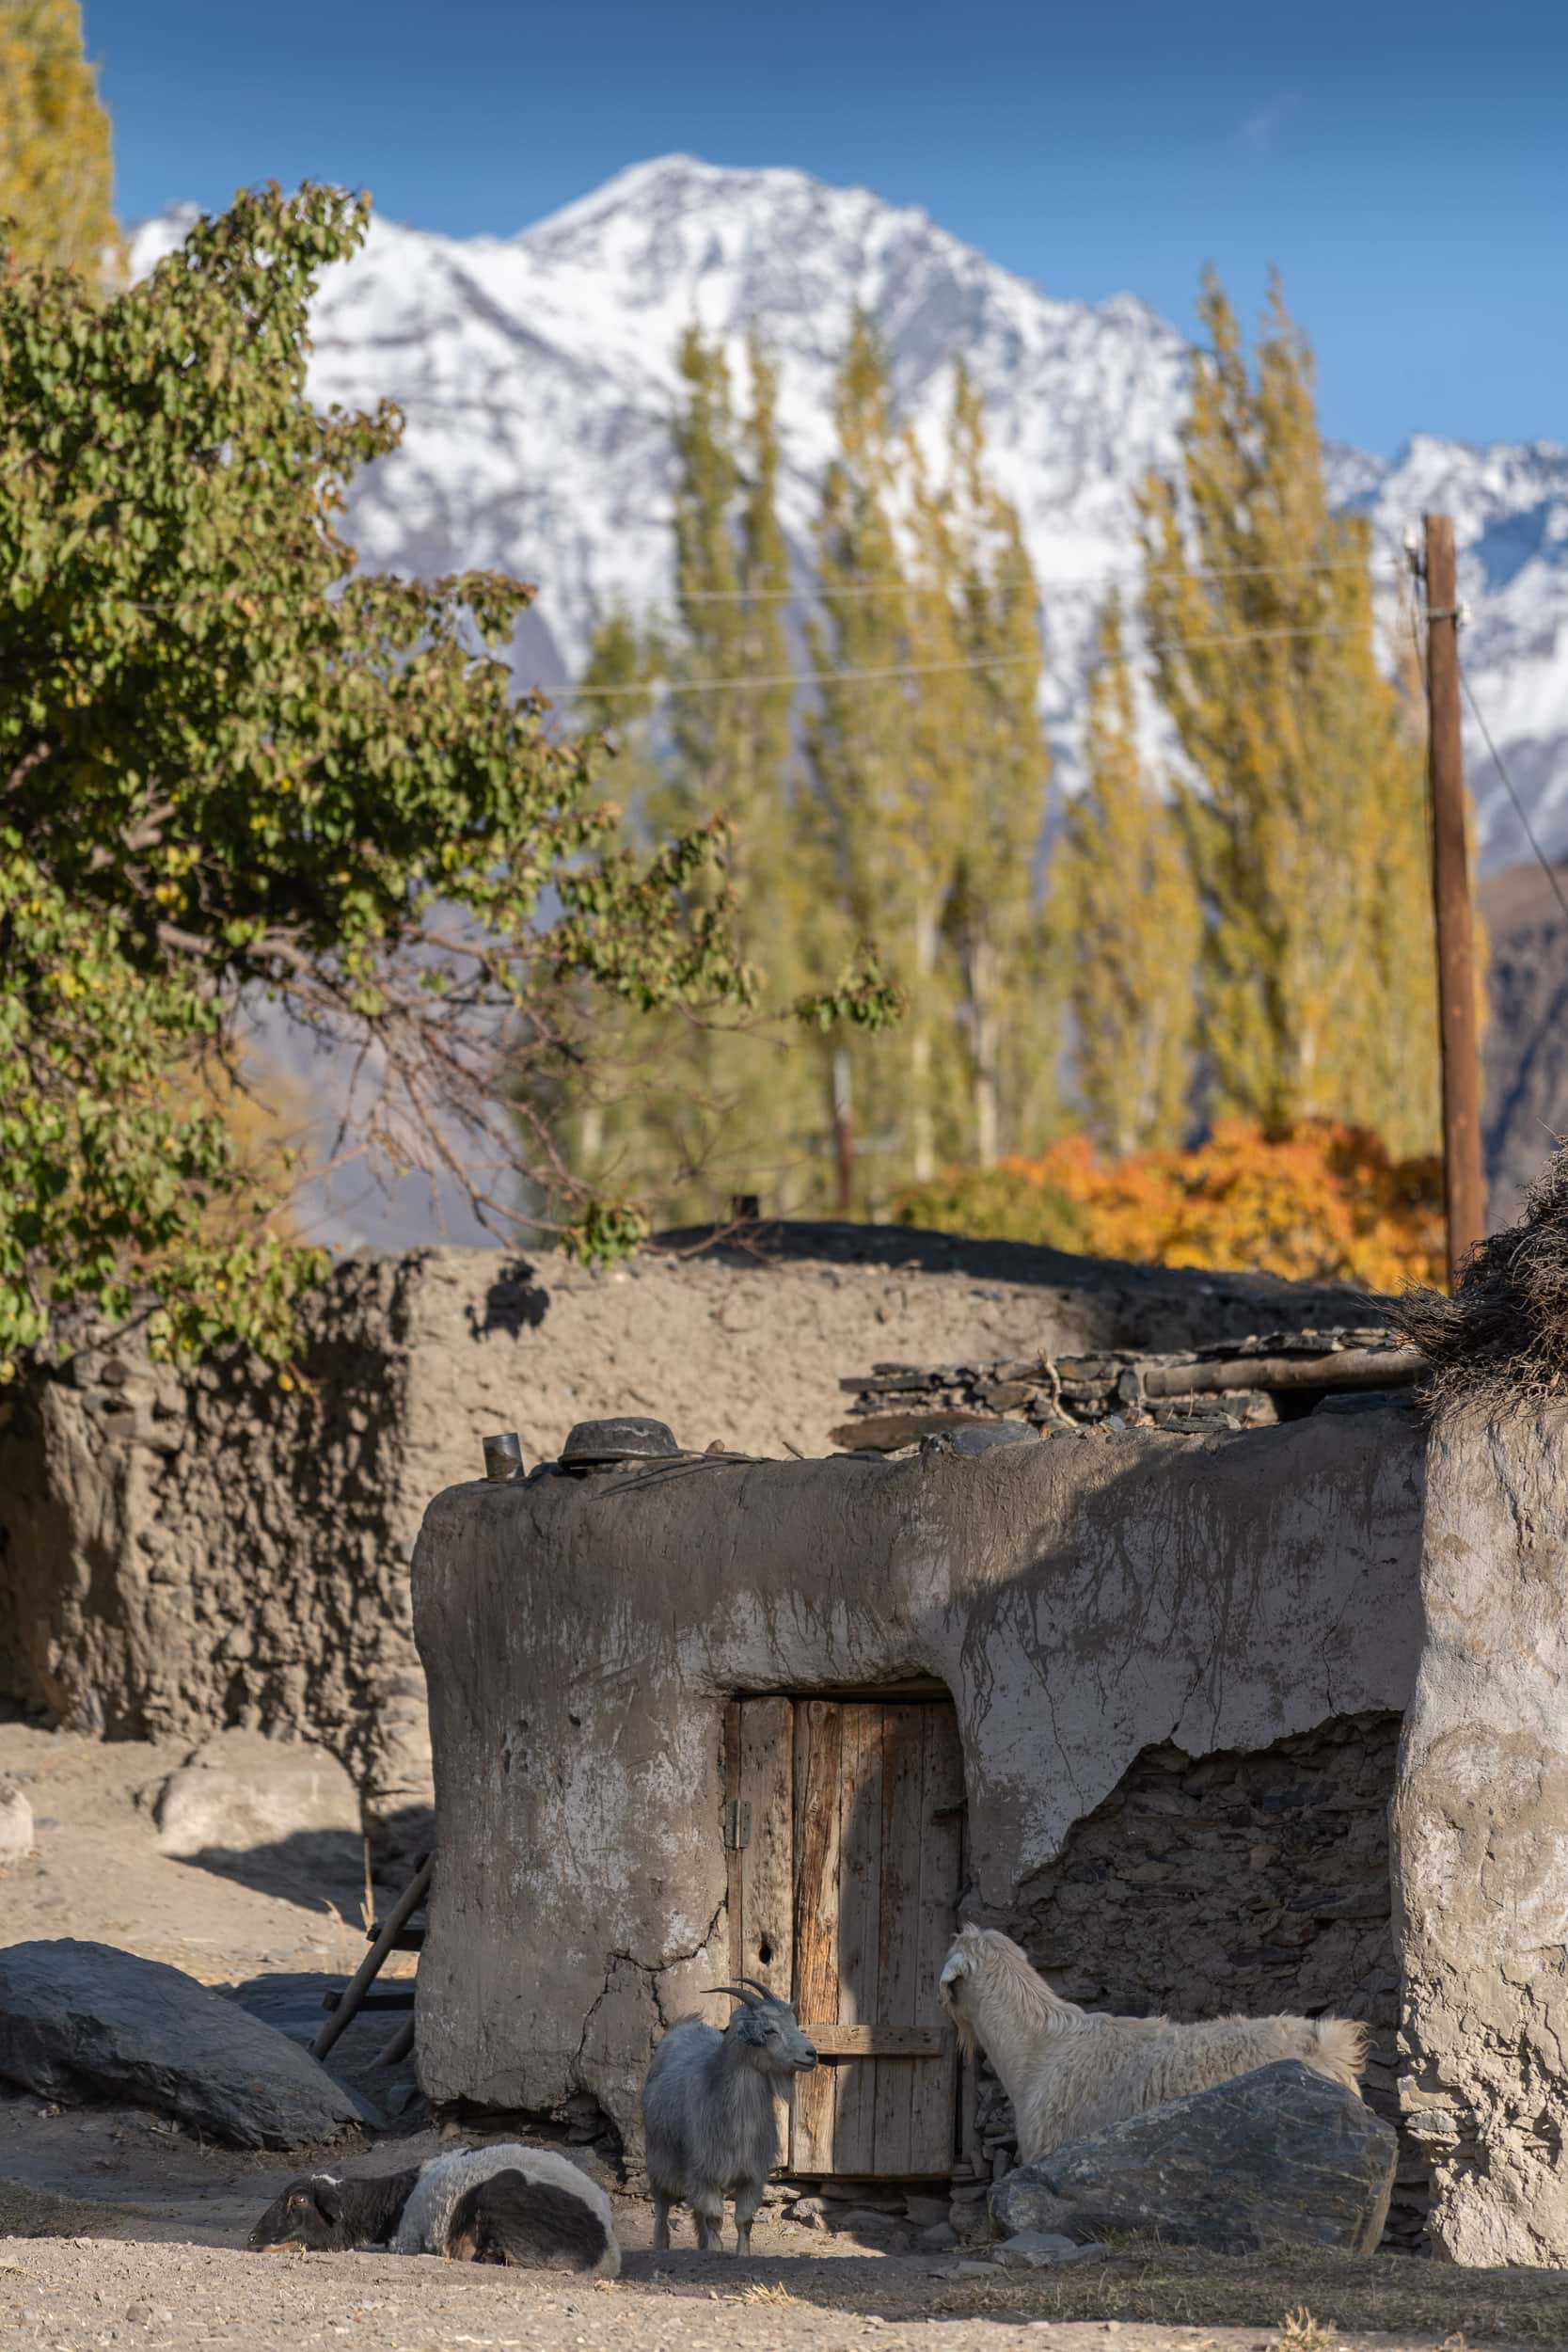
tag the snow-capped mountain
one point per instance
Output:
(537, 374)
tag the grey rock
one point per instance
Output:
(83, 2022)
(938, 2236)
(868, 2220)
(241, 1792)
(16, 1823)
(972, 2270)
(1276, 2156)
(1023, 2201)
(924, 2211)
(1037, 2249)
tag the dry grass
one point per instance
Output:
(1502, 1339)
(766, 2291)
(1300, 2332)
(1183, 2287)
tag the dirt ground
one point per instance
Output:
(119, 2227)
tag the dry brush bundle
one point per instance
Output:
(1502, 1339)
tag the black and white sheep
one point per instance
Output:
(530, 2207)
(709, 2118)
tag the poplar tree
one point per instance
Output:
(1303, 820)
(1126, 915)
(876, 864)
(56, 174)
(699, 1109)
(999, 773)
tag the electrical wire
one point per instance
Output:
(664, 688)
(1541, 858)
(891, 585)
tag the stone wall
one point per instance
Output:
(1255, 1881)
(186, 1552)
(183, 1551)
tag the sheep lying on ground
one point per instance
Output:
(530, 2207)
(708, 2117)
(1070, 2070)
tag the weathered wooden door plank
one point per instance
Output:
(818, 1773)
(898, 1959)
(860, 1929)
(933, 2091)
(879, 2042)
(765, 1787)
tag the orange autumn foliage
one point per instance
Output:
(1323, 1204)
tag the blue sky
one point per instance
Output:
(1407, 166)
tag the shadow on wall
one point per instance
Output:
(514, 1302)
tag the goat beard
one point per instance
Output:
(969, 2041)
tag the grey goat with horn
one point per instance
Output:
(709, 2115)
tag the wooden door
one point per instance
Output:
(844, 1835)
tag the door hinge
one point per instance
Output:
(738, 1825)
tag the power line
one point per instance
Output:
(917, 669)
(891, 585)
(1541, 858)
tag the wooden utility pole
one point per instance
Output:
(1464, 1188)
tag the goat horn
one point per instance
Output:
(735, 1992)
(757, 1987)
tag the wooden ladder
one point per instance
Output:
(395, 1933)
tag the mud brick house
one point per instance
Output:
(1263, 1721)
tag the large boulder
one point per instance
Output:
(241, 1794)
(1278, 2156)
(86, 2021)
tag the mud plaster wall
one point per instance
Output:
(1249, 1881)
(1480, 1843)
(181, 1551)
(1084, 1601)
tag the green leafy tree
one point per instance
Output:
(55, 172)
(1126, 916)
(230, 767)
(1305, 819)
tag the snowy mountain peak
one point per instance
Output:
(537, 376)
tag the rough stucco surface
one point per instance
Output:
(185, 1551)
(1480, 1843)
(1083, 1600)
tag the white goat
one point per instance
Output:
(708, 2113)
(1070, 2070)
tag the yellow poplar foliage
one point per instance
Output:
(1305, 814)
(1323, 1203)
(1125, 912)
(56, 174)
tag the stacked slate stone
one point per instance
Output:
(1227, 1385)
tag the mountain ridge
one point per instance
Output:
(537, 374)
